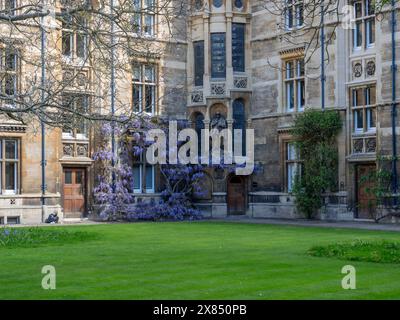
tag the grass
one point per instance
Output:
(359, 250)
(196, 260)
(33, 237)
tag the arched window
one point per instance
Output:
(239, 122)
(217, 3)
(199, 125)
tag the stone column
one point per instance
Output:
(190, 66)
(206, 30)
(229, 68)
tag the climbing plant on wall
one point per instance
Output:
(315, 133)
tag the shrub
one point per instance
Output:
(315, 132)
(359, 250)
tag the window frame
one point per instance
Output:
(143, 167)
(142, 11)
(239, 41)
(363, 107)
(294, 84)
(214, 61)
(144, 85)
(73, 133)
(16, 161)
(288, 162)
(67, 27)
(198, 70)
(239, 122)
(361, 29)
(292, 18)
(9, 72)
(12, 8)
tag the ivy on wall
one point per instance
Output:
(315, 133)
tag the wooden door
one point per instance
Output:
(236, 195)
(74, 192)
(366, 200)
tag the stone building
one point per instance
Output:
(235, 59)
(266, 76)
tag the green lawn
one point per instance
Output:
(198, 260)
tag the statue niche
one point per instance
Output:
(218, 122)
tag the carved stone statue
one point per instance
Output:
(218, 122)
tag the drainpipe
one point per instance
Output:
(112, 86)
(43, 97)
(394, 70)
(322, 59)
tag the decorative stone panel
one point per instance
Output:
(218, 88)
(82, 150)
(72, 149)
(78, 79)
(197, 96)
(370, 68)
(240, 82)
(364, 145)
(68, 149)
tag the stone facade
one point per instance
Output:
(259, 84)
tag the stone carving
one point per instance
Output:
(357, 70)
(218, 122)
(218, 89)
(370, 68)
(240, 82)
(357, 145)
(68, 149)
(68, 75)
(197, 96)
(81, 79)
(81, 150)
(370, 145)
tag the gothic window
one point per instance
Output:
(239, 122)
(198, 47)
(238, 46)
(217, 3)
(199, 125)
(238, 4)
(218, 59)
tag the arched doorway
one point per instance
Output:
(236, 195)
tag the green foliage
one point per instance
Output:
(368, 251)
(383, 203)
(315, 132)
(32, 237)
